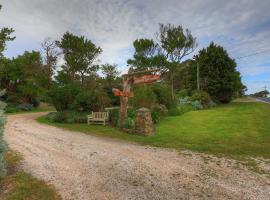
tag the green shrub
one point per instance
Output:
(11, 109)
(174, 111)
(163, 95)
(161, 109)
(60, 117)
(201, 96)
(25, 107)
(129, 123)
(131, 113)
(114, 117)
(186, 108)
(67, 117)
(144, 97)
(62, 97)
(84, 101)
(182, 94)
(155, 116)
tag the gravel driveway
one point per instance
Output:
(84, 167)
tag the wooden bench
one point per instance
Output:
(98, 118)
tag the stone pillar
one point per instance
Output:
(143, 122)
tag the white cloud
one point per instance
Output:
(115, 24)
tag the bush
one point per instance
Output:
(155, 116)
(144, 97)
(84, 101)
(114, 117)
(182, 93)
(25, 107)
(60, 117)
(201, 96)
(63, 97)
(11, 109)
(95, 100)
(163, 95)
(174, 111)
(197, 105)
(129, 123)
(67, 117)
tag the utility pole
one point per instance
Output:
(198, 77)
(265, 95)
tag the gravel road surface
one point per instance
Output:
(85, 167)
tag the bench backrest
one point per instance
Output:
(100, 115)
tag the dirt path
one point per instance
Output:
(84, 167)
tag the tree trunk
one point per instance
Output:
(172, 85)
(124, 102)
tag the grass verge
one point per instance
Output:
(236, 129)
(18, 185)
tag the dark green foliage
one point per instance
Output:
(201, 96)
(182, 93)
(114, 117)
(84, 101)
(162, 92)
(155, 116)
(174, 111)
(11, 109)
(67, 117)
(144, 97)
(157, 112)
(62, 97)
(25, 107)
(80, 55)
(95, 100)
(218, 74)
(263, 93)
(129, 123)
(22, 77)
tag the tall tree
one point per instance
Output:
(50, 54)
(218, 74)
(80, 55)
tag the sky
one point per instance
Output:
(242, 27)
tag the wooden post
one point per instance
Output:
(124, 101)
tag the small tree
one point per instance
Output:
(50, 54)
(4, 37)
(174, 43)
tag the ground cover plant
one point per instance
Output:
(20, 185)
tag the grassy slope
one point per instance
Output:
(20, 185)
(234, 129)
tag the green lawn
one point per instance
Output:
(232, 130)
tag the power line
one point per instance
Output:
(253, 54)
